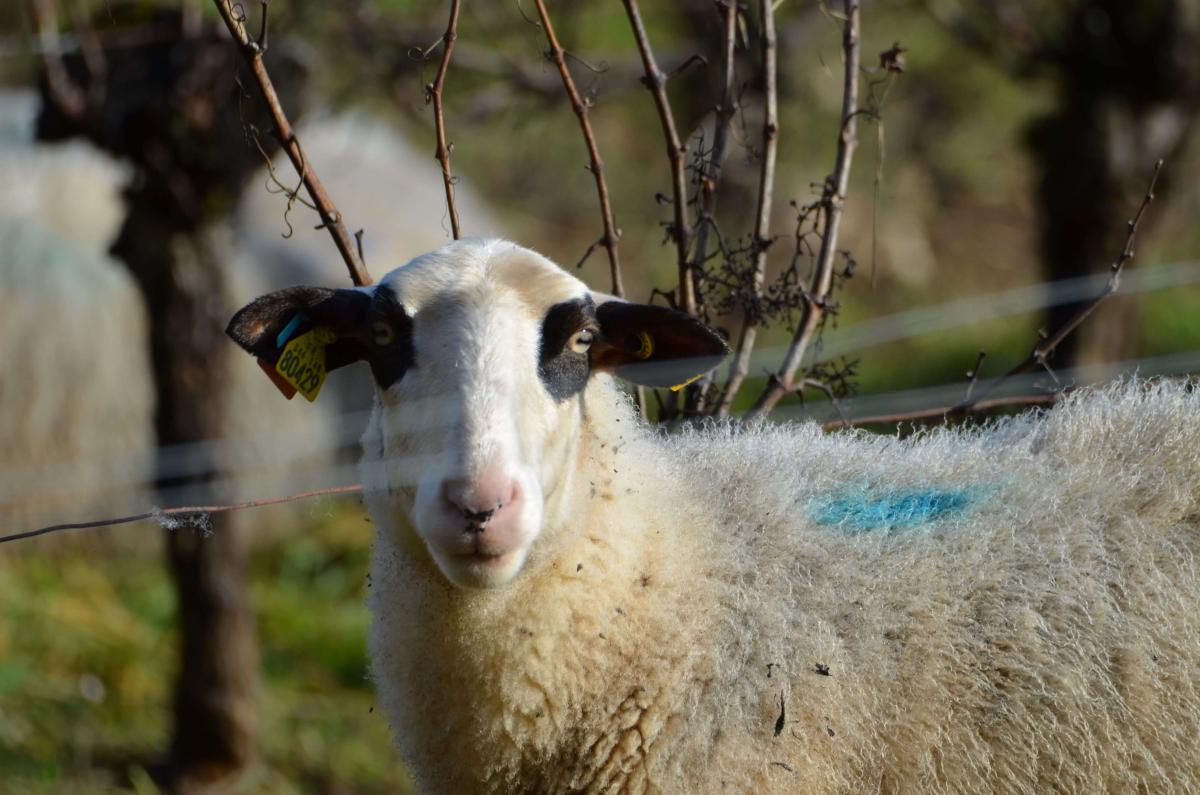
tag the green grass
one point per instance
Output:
(88, 655)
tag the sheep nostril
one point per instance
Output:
(477, 521)
(480, 517)
(479, 501)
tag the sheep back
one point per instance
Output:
(1018, 611)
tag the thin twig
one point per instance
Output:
(1038, 357)
(273, 185)
(358, 244)
(433, 93)
(681, 231)
(184, 511)
(726, 109)
(973, 375)
(941, 413)
(94, 59)
(331, 219)
(692, 60)
(833, 201)
(740, 366)
(596, 166)
(710, 178)
(1041, 353)
(65, 94)
(821, 386)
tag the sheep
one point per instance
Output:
(564, 599)
(77, 400)
(56, 348)
(76, 404)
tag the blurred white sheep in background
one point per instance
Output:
(76, 398)
(76, 402)
(382, 184)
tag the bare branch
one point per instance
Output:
(710, 179)
(1041, 353)
(433, 93)
(681, 232)
(62, 89)
(596, 166)
(821, 386)
(191, 510)
(725, 111)
(94, 59)
(262, 28)
(692, 60)
(740, 366)
(358, 239)
(833, 201)
(1038, 357)
(331, 219)
(973, 375)
(273, 185)
(597, 243)
(941, 413)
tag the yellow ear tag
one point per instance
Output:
(694, 378)
(302, 363)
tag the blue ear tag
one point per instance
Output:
(289, 329)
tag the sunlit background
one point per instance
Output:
(990, 193)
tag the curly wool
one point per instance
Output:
(72, 326)
(709, 624)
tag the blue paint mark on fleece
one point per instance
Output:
(890, 510)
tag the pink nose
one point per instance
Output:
(488, 501)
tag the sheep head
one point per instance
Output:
(481, 354)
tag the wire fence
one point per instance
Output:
(301, 469)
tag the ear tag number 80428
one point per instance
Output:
(302, 363)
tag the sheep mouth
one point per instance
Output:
(484, 559)
(482, 569)
(475, 561)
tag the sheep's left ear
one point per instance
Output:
(300, 333)
(260, 326)
(653, 345)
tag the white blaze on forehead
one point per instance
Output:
(477, 308)
(494, 342)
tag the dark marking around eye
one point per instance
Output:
(390, 355)
(563, 371)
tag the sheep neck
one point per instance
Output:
(547, 661)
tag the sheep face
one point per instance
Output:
(481, 353)
(491, 444)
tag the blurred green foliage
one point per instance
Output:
(87, 657)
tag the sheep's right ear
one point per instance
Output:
(264, 327)
(653, 345)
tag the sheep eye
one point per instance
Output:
(382, 333)
(582, 340)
